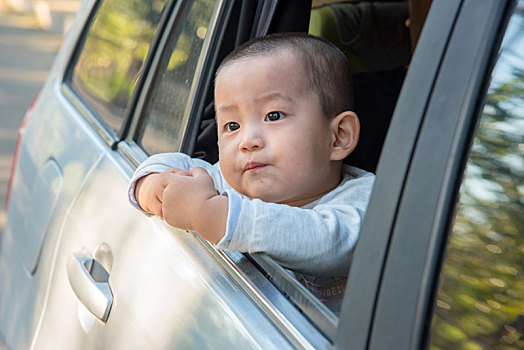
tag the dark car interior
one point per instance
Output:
(375, 36)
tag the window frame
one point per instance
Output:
(92, 119)
(398, 258)
(507, 52)
(200, 87)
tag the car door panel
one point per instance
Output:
(167, 291)
(45, 192)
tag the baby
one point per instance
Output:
(283, 110)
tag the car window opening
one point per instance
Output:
(378, 38)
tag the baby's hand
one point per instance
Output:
(150, 188)
(184, 197)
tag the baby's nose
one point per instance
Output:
(251, 141)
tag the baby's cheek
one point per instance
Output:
(296, 164)
(226, 171)
(229, 174)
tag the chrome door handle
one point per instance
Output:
(90, 282)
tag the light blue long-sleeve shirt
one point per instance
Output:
(316, 239)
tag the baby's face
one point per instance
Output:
(275, 142)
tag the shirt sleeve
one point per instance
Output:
(317, 241)
(163, 161)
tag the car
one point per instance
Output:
(439, 88)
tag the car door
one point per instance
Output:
(400, 262)
(152, 280)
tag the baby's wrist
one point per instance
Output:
(211, 221)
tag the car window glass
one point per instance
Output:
(167, 109)
(112, 57)
(480, 302)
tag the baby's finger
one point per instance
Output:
(159, 192)
(168, 176)
(156, 209)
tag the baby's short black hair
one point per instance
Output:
(325, 66)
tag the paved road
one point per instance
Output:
(26, 54)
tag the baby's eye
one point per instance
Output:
(232, 126)
(274, 116)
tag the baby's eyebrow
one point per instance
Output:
(226, 108)
(271, 96)
(267, 97)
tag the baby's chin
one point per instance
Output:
(276, 193)
(280, 198)
(262, 195)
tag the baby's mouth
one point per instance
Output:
(253, 166)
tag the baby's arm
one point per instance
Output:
(317, 241)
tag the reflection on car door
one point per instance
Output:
(164, 287)
(33, 227)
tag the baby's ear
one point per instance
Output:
(345, 129)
